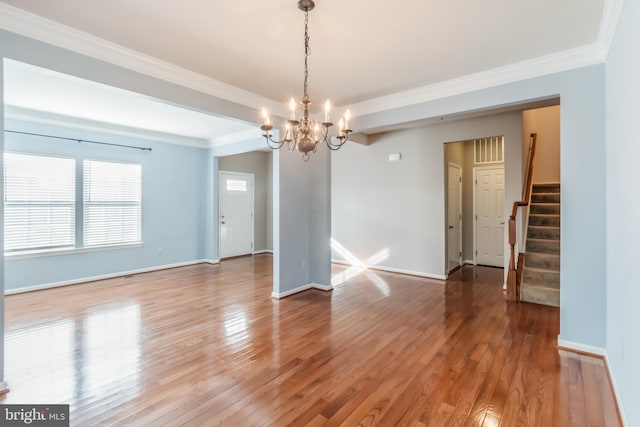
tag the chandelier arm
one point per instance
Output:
(272, 143)
(333, 146)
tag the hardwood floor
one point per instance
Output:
(206, 345)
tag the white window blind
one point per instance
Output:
(112, 203)
(39, 202)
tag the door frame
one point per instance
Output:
(460, 258)
(253, 208)
(475, 220)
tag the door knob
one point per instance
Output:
(502, 222)
(451, 227)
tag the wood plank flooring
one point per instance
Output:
(206, 345)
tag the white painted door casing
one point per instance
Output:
(489, 215)
(236, 214)
(454, 214)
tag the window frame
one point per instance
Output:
(78, 245)
(73, 203)
(83, 202)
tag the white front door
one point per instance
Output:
(454, 223)
(489, 214)
(236, 214)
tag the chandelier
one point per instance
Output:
(306, 133)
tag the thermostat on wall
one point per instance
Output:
(394, 157)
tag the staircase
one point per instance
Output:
(541, 272)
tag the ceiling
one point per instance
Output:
(34, 88)
(360, 49)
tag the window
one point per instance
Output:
(112, 203)
(39, 201)
(488, 150)
(236, 185)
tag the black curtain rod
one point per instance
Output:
(79, 140)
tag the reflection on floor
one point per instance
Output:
(206, 345)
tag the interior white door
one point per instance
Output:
(489, 211)
(236, 214)
(454, 223)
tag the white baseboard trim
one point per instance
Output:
(393, 270)
(4, 387)
(263, 251)
(469, 262)
(280, 295)
(616, 390)
(581, 348)
(105, 276)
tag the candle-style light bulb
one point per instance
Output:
(347, 117)
(327, 109)
(287, 132)
(265, 116)
(292, 107)
(341, 126)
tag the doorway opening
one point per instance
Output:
(236, 214)
(468, 236)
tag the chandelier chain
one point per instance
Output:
(305, 133)
(306, 55)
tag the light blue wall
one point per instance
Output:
(583, 267)
(291, 213)
(174, 181)
(623, 206)
(210, 237)
(319, 185)
(2, 282)
(302, 220)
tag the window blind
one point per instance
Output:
(112, 203)
(39, 201)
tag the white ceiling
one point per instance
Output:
(361, 49)
(35, 88)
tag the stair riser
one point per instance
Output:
(540, 296)
(549, 279)
(547, 220)
(545, 246)
(548, 262)
(546, 188)
(545, 208)
(545, 198)
(552, 233)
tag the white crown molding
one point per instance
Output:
(30, 25)
(48, 118)
(610, 14)
(549, 64)
(36, 27)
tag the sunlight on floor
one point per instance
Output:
(47, 356)
(359, 267)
